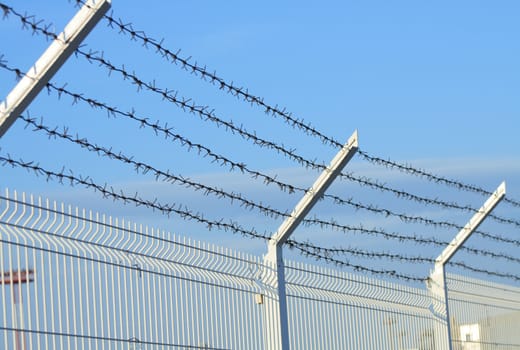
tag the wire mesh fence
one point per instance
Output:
(104, 283)
(77, 279)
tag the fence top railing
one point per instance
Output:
(64, 225)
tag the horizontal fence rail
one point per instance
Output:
(77, 279)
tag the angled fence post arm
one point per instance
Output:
(51, 61)
(276, 332)
(438, 276)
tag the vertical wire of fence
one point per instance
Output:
(330, 309)
(105, 283)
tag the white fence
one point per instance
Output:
(75, 279)
(484, 315)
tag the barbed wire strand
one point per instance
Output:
(483, 271)
(166, 176)
(327, 254)
(144, 168)
(204, 112)
(243, 93)
(255, 174)
(109, 192)
(431, 177)
(356, 267)
(333, 251)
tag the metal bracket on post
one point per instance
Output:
(50, 61)
(437, 278)
(277, 328)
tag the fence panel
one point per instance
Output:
(329, 309)
(75, 279)
(484, 315)
(108, 284)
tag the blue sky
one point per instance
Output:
(434, 85)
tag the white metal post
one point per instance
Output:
(50, 61)
(438, 276)
(277, 328)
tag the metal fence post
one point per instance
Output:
(277, 328)
(50, 61)
(437, 280)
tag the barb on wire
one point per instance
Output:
(67, 177)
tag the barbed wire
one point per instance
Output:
(328, 254)
(167, 209)
(356, 267)
(144, 168)
(166, 131)
(305, 248)
(30, 22)
(203, 112)
(309, 164)
(486, 272)
(332, 251)
(109, 192)
(433, 178)
(206, 114)
(166, 176)
(61, 176)
(243, 93)
(335, 251)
